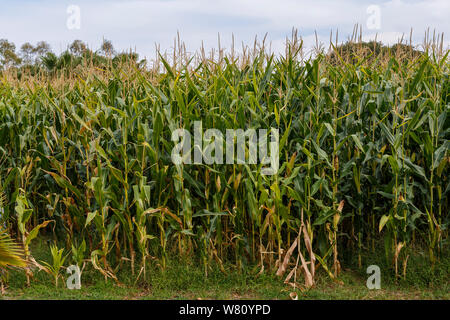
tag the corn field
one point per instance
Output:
(85, 159)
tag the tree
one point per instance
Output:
(27, 52)
(41, 49)
(8, 56)
(107, 48)
(358, 51)
(78, 47)
(50, 61)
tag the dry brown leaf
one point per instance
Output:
(283, 266)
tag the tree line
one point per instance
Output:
(40, 57)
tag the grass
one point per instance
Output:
(185, 280)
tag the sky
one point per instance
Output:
(139, 25)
